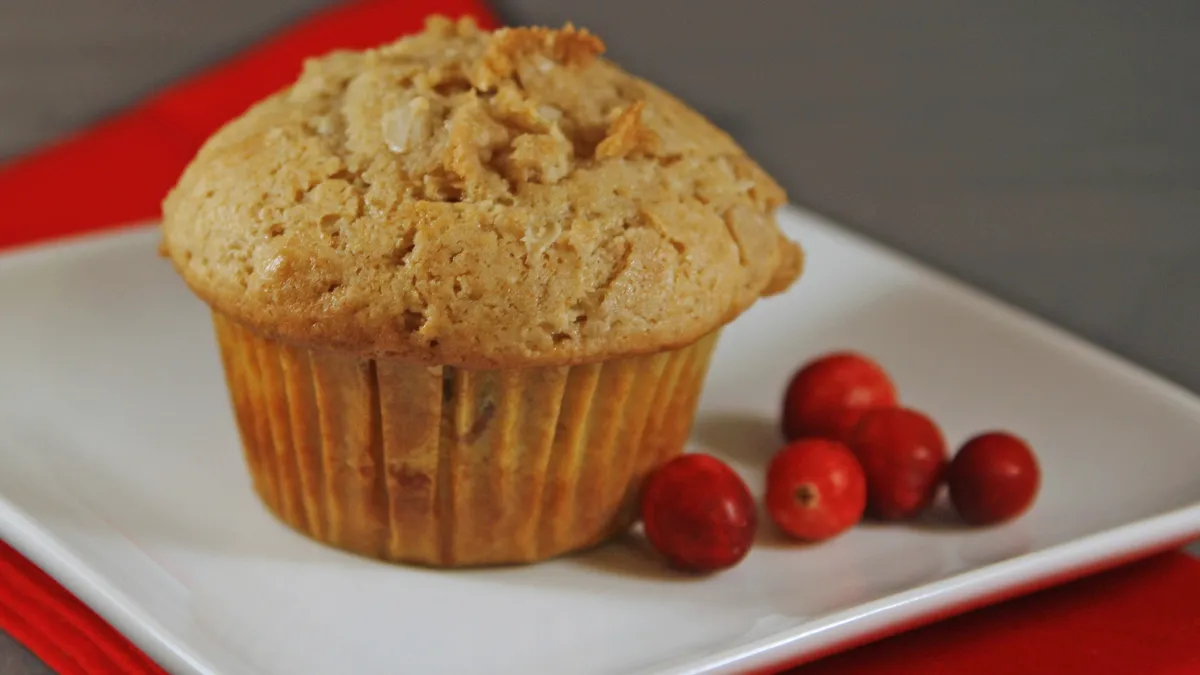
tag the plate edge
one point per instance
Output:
(997, 582)
(126, 616)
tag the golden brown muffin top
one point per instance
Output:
(479, 199)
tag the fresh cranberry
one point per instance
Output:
(826, 398)
(815, 489)
(993, 478)
(699, 513)
(903, 456)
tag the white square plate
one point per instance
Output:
(121, 474)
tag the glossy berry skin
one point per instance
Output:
(826, 398)
(903, 456)
(698, 513)
(993, 478)
(815, 489)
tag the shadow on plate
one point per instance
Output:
(940, 516)
(740, 438)
(630, 555)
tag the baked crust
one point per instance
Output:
(477, 199)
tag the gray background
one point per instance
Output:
(1045, 150)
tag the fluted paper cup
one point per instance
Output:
(450, 467)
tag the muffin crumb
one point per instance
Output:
(628, 135)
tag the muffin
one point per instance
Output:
(466, 287)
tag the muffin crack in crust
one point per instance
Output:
(479, 199)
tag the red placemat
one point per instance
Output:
(1141, 618)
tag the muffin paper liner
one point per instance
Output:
(445, 466)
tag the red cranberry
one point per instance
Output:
(903, 455)
(815, 489)
(826, 398)
(993, 478)
(699, 513)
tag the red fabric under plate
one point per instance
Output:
(1142, 618)
(60, 629)
(1139, 619)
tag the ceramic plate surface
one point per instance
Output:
(121, 474)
